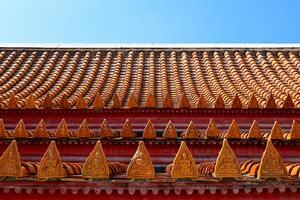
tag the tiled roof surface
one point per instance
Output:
(149, 78)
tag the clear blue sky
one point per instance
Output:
(151, 21)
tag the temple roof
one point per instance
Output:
(112, 117)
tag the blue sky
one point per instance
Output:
(152, 21)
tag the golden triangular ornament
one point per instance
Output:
(127, 131)
(167, 101)
(132, 102)
(64, 103)
(150, 101)
(253, 103)
(3, 133)
(98, 102)
(288, 102)
(184, 165)
(184, 102)
(170, 131)
(30, 102)
(81, 103)
(116, 102)
(10, 163)
(12, 103)
(140, 166)
(149, 131)
(271, 102)
(212, 130)
(51, 165)
(295, 131)
(20, 130)
(271, 164)
(47, 103)
(191, 131)
(95, 165)
(105, 131)
(236, 102)
(83, 130)
(41, 130)
(254, 131)
(233, 130)
(62, 130)
(201, 103)
(219, 103)
(276, 132)
(226, 165)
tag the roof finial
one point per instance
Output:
(271, 164)
(191, 131)
(132, 102)
(226, 164)
(184, 102)
(276, 132)
(10, 162)
(116, 102)
(201, 103)
(150, 101)
(233, 130)
(170, 131)
(295, 131)
(140, 166)
(41, 130)
(184, 165)
(20, 130)
(271, 102)
(81, 103)
(149, 131)
(30, 102)
(105, 131)
(236, 102)
(95, 165)
(288, 102)
(62, 130)
(212, 130)
(167, 101)
(50, 164)
(254, 131)
(127, 131)
(219, 103)
(3, 133)
(98, 102)
(84, 130)
(64, 104)
(12, 103)
(253, 103)
(48, 102)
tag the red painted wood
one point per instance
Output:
(171, 196)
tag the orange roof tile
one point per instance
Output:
(205, 71)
